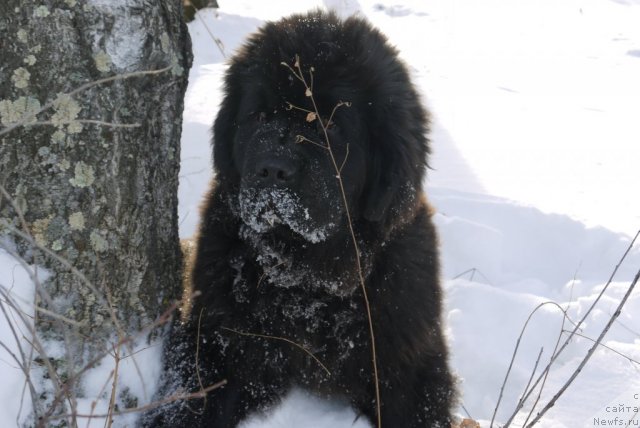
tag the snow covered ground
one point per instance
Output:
(536, 107)
(536, 136)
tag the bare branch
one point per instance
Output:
(589, 354)
(267, 271)
(179, 396)
(555, 349)
(302, 139)
(87, 121)
(114, 388)
(515, 352)
(344, 161)
(31, 115)
(555, 356)
(374, 360)
(333, 112)
(626, 357)
(73, 379)
(198, 353)
(284, 339)
(216, 40)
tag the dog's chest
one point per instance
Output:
(302, 310)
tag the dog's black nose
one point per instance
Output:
(276, 171)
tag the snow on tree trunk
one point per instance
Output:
(95, 174)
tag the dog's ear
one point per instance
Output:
(397, 124)
(398, 150)
(224, 130)
(381, 188)
(227, 122)
(244, 97)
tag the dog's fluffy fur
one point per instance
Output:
(274, 256)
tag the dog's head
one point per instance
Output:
(299, 86)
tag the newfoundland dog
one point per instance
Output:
(320, 139)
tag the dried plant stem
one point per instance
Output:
(94, 403)
(24, 360)
(114, 388)
(34, 344)
(589, 354)
(179, 396)
(542, 377)
(28, 236)
(535, 368)
(626, 357)
(297, 72)
(515, 352)
(73, 379)
(87, 121)
(283, 339)
(198, 355)
(216, 40)
(267, 271)
(473, 272)
(30, 116)
(555, 349)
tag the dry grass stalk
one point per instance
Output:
(573, 333)
(283, 339)
(28, 117)
(178, 396)
(314, 114)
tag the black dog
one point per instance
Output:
(280, 302)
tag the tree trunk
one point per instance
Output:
(93, 176)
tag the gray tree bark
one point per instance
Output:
(92, 177)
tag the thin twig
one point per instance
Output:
(73, 379)
(64, 262)
(114, 388)
(466, 411)
(198, 355)
(515, 352)
(555, 349)
(31, 115)
(33, 340)
(555, 356)
(173, 398)
(86, 121)
(267, 271)
(626, 357)
(295, 107)
(302, 139)
(66, 392)
(473, 272)
(59, 317)
(216, 40)
(309, 93)
(28, 236)
(535, 368)
(335, 108)
(103, 388)
(284, 339)
(589, 354)
(344, 161)
(23, 358)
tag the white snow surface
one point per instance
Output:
(535, 137)
(17, 287)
